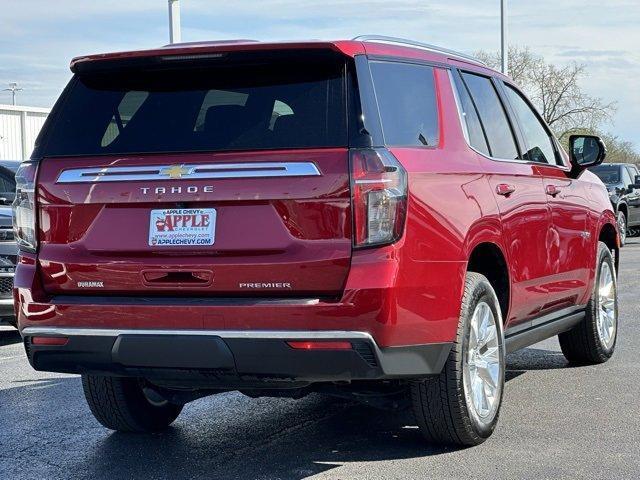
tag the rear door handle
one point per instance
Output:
(505, 189)
(552, 190)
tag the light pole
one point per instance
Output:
(13, 88)
(174, 21)
(504, 51)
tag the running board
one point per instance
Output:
(543, 328)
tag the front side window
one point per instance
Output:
(539, 145)
(407, 102)
(494, 118)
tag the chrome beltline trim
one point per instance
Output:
(188, 172)
(261, 334)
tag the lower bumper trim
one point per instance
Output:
(230, 359)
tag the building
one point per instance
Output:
(19, 127)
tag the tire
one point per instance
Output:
(120, 404)
(590, 342)
(622, 227)
(443, 406)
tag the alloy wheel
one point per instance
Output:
(607, 314)
(622, 227)
(482, 366)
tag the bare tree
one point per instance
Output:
(618, 150)
(555, 90)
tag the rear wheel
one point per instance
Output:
(593, 340)
(121, 404)
(461, 405)
(622, 227)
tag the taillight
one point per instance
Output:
(379, 195)
(24, 207)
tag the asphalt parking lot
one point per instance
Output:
(557, 422)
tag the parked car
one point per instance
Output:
(8, 247)
(623, 184)
(373, 218)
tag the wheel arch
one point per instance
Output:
(622, 207)
(488, 259)
(608, 234)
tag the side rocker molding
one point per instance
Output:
(541, 328)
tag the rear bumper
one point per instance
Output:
(229, 359)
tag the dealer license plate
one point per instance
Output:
(180, 227)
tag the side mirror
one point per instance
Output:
(636, 182)
(585, 151)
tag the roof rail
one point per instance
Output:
(423, 46)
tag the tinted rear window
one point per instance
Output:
(239, 107)
(609, 174)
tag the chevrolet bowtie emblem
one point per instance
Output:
(175, 171)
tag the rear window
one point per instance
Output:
(609, 174)
(234, 107)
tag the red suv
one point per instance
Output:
(375, 218)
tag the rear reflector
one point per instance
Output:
(320, 345)
(49, 341)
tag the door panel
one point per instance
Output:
(571, 258)
(526, 223)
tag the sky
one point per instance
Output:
(38, 38)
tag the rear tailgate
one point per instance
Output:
(284, 235)
(220, 176)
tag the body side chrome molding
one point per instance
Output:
(544, 319)
(189, 172)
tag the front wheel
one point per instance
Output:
(593, 340)
(461, 405)
(120, 403)
(622, 227)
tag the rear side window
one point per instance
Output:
(407, 102)
(494, 119)
(265, 105)
(539, 144)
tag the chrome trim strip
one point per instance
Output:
(543, 320)
(262, 334)
(188, 171)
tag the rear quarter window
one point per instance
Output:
(407, 103)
